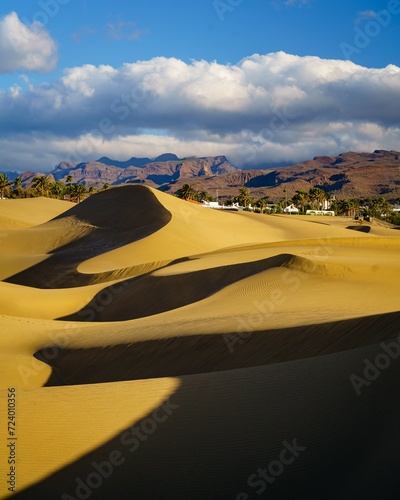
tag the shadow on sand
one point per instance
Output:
(227, 429)
(192, 354)
(132, 214)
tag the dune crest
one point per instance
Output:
(244, 329)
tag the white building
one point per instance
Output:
(291, 209)
(211, 204)
(320, 212)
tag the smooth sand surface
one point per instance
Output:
(185, 346)
(29, 212)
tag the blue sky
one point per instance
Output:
(262, 81)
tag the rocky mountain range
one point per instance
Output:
(346, 175)
(164, 170)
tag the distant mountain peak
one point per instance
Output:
(166, 157)
(137, 162)
(349, 174)
(162, 170)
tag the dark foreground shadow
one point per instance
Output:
(117, 217)
(226, 433)
(147, 295)
(360, 229)
(193, 354)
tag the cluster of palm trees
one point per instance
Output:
(314, 199)
(317, 198)
(188, 192)
(4, 184)
(43, 185)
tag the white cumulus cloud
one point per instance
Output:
(24, 47)
(266, 109)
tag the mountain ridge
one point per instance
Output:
(349, 174)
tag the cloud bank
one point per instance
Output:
(25, 48)
(273, 108)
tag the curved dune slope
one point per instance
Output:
(103, 222)
(27, 212)
(161, 350)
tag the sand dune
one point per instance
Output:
(216, 336)
(29, 211)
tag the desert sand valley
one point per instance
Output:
(153, 349)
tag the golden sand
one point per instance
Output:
(245, 321)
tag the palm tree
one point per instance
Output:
(354, 205)
(41, 184)
(69, 179)
(316, 196)
(334, 205)
(106, 186)
(57, 189)
(344, 207)
(243, 198)
(4, 183)
(78, 190)
(18, 187)
(261, 204)
(301, 199)
(186, 192)
(92, 190)
(203, 195)
(380, 207)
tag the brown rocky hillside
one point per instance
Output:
(346, 175)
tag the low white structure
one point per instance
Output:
(291, 209)
(211, 204)
(215, 204)
(320, 212)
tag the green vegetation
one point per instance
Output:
(43, 185)
(243, 198)
(394, 218)
(77, 192)
(315, 198)
(318, 199)
(4, 183)
(187, 192)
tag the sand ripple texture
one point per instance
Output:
(197, 354)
